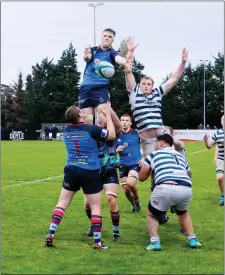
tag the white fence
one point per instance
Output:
(193, 135)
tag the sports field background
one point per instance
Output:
(28, 201)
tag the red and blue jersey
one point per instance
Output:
(131, 153)
(81, 144)
(90, 77)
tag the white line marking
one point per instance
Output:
(32, 182)
(196, 152)
(50, 178)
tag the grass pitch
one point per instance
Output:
(28, 200)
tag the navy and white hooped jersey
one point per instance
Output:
(147, 108)
(168, 164)
(90, 77)
(218, 137)
(131, 153)
(81, 144)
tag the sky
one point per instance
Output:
(31, 32)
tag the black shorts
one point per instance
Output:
(124, 171)
(110, 176)
(76, 178)
(92, 96)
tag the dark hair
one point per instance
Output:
(110, 30)
(166, 138)
(72, 114)
(127, 115)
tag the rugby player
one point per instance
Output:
(94, 90)
(128, 147)
(146, 102)
(173, 188)
(82, 170)
(110, 184)
(218, 139)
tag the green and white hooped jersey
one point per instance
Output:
(218, 137)
(168, 164)
(147, 108)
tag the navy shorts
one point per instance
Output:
(92, 96)
(110, 176)
(76, 178)
(124, 171)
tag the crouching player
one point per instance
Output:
(128, 147)
(173, 188)
(82, 170)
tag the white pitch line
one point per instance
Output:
(32, 182)
(50, 178)
(196, 152)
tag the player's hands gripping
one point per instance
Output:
(119, 148)
(106, 110)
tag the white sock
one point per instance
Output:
(191, 236)
(155, 239)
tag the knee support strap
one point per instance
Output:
(111, 194)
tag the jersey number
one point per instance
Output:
(77, 147)
(176, 159)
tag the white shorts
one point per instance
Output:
(166, 195)
(148, 146)
(219, 166)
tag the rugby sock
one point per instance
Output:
(96, 224)
(155, 239)
(115, 216)
(57, 216)
(191, 236)
(136, 198)
(88, 213)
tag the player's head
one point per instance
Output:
(168, 130)
(108, 36)
(126, 122)
(222, 121)
(74, 115)
(164, 140)
(146, 84)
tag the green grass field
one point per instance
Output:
(27, 204)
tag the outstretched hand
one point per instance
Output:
(184, 55)
(131, 46)
(87, 52)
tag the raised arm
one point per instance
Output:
(169, 84)
(129, 77)
(129, 47)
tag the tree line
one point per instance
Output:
(51, 87)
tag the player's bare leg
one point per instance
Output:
(132, 183)
(64, 201)
(88, 115)
(111, 191)
(127, 191)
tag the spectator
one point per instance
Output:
(200, 126)
(54, 132)
(47, 131)
(208, 127)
